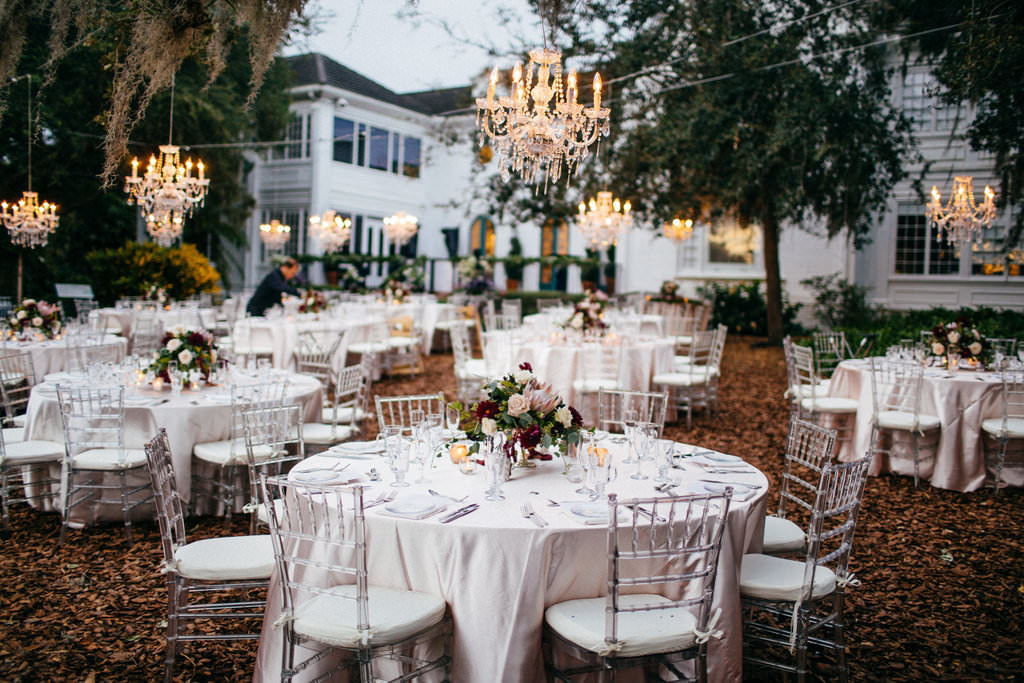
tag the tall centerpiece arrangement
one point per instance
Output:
(313, 302)
(589, 313)
(475, 275)
(395, 292)
(192, 350)
(958, 342)
(529, 413)
(669, 293)
(157, 295)
(34, 320)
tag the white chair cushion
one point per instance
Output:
(319, 433)
(32, 452)
(474, 368)
(244, 348)
(110, 459)
(776, 578)
(682, 364)
(682, 340)
(680, 379)
(899, 419)
(344, 414)
(449, 324)
(20, 420)
(1014, 427)
(226, 453)
(593, 385)
(226, 559)
(394, 615)
(14, 434)
(402, 342)
(782, 536)
(261, 511)
(804, 390)
(640, 633)
(829, 404)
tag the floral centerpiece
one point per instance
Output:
(349, 279)
(411, 275)
(395, 292)
(589, 312)
(527, 410)
(35, 319)
(313, 302)
(157, 295)
(669, 293)
(193, 351)
(960, 337)
(476, 275)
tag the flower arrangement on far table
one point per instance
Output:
(527, 410)
(669, 293)
(476, 275)
(349, 279)
(33, 318)
(395, 292)
(157, 295)
(589, 312)
(313, 302)
(193, 351)
(963, 338)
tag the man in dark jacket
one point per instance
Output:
(273, 285)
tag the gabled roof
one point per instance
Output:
(317, 69)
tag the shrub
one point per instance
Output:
(132, 269)
(741, 307)
(838, 303)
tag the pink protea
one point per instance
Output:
(542, 397)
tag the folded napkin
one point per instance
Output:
(413, 507)
(324, 476)
(590, 513)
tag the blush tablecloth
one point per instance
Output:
(499, 572)
(961, 400)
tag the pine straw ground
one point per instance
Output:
(941, 597)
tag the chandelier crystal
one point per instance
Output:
(603, 220)
(539, 128)
(400, 228)
(679, 230)
(167, 192)
(165, 226)
(961, 217)
(330, 230)
(275, 235)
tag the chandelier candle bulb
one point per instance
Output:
(597, 92)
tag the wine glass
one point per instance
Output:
(663, 451)
(600, 471)
(630, 418)
(494, 461)
(452, 416)
(642, 437)
(398, 453)
(585, 455)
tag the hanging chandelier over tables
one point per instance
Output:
(961, 217)
(539, 128)
(604, 219)
(400, 228)
(679, 230)
(330, 230)
(167, 192)
(275, 235)
(29, 222)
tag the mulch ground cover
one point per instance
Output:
(941, 594)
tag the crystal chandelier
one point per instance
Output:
(275, 235)
(168, 192)
(679, 230)
(400, 228)
(330, 230)
(604, 219)
(961, 218)
(539, 127)
(29, 222)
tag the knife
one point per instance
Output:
(732, 483)
(461, 512)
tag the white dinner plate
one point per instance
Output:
(590, 510)
(721, 457)
(738, 489)
(413, 505)
(323, 477)
(359, 447)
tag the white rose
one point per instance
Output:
(21, 315)
(953, 337)
(522, 376)
(173, 344)
(185, 357)
(488, 426)
(27, 302)
(517, 405)
(975, 348)
(938, 349)
(37, 321)
(564, 416)
(577, 321)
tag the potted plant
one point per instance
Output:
(609, 270)
(590, 270)
(331, 262)
(514, 265)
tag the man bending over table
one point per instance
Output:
(273, 286)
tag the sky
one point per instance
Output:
(415, 51)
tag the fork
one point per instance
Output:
(385, 497)
(528, 513)
(451, 498)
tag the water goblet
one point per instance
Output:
(585, 454)
(630, 418)
(642, 437)
(664, 449)
(494, 461)
(398, 454)
(601, 472)
(453, 417)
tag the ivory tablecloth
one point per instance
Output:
(961, 400)
(498, 572)
(51, 356)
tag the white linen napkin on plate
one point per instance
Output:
(413, 507)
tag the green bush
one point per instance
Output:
(529, 299)
(890, 327)
(132, 269)
(514, 261)
(741, 307)
(838, 303)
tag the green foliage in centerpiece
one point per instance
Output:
(960, 337)
(34, 318)
(589, 312)
(193, 351)
(527, 410)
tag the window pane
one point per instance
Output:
(394, 153)
(911, 232)
(379, 149)
(989, 258)
(411, 160)
(361, 149)
(730, 242)
(344, 140)
(294, 137)
(943, 258)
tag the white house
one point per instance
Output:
(366, 152)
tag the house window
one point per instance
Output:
(411, 160)
(378, 149)
(482, 237)
(291, 148)
(394, 153)
(925, 111)
(344, 140)
(730, 242)
(296, 238)
(919, 249)
(991, 257)
(361, 145)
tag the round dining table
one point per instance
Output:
(191, 417)
(498, 571)
(961, 399)
(51, 355)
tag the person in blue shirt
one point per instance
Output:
(273, 286)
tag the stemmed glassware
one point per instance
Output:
(664, 449)
(643, 435)
(452, 417)
(630, 419)
(494, 461)
(398, 455)
(584, 454)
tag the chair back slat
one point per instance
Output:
(17, 377)
(612, 405)
(169, 511)
(397, 410)
(809, 448)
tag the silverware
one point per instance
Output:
(528, 512)
(646, 513)
(461, 512)
(333, 468)
(451, 498)
(385, 497)
(553, 503)
(732, 483)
